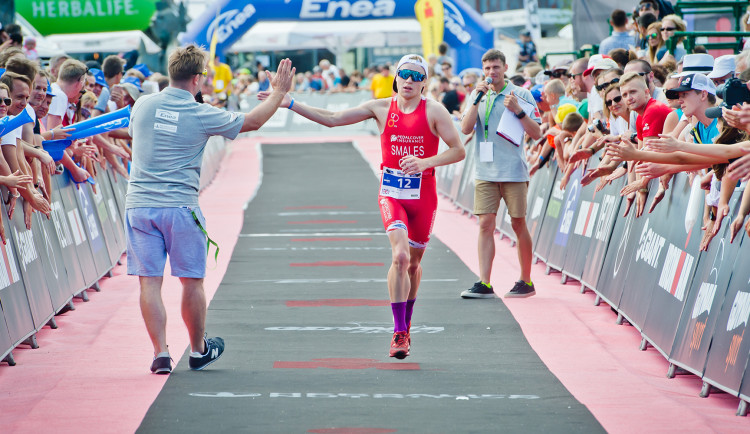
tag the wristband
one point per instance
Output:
(643, 190)
(291, 104)
(521, 115)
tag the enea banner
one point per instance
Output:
(86, 16)
(465, 29)
(430, 16)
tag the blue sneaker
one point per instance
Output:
(214, 350)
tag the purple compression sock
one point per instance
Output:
(409, 310)
(399, 316)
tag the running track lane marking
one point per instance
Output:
(322, 222)
(337, 302)
(336, 264)
(351, 430)
(347, 364)
(317, 207)
(301, 240)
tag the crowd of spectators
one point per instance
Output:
(56, 95)
(648, 113)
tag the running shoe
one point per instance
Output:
(479, 290)
(399, 345)
(521, 290)
(214, 350)
(161, 365)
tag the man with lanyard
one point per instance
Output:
(408, 195)
(501, 170)
(170, 130)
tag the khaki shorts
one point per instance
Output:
(487, 197)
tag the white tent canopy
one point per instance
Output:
(333, 35)
(108, 42)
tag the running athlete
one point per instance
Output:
(410, 129)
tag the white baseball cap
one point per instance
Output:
(723, 65)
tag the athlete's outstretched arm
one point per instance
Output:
(281, 82)
(326, 117)
(442, 123)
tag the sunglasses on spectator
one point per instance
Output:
(668, 29)
(575, 75)
(6, 101)
(558, 74)
(615, 100)
(445, 67)
(408, 73)
(652, 36)
(204, 73)
(645, 6)
(601, 87)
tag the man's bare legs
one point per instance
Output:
(486, 246)
(155, 315)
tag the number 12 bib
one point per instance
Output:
(398, 185)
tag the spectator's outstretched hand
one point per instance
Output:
(652, 170)
(740, 168)
(622, 151)
(736, 226)
(634, 186)
(665, 144)
(629, 204)
(581, 154)
(738, 117)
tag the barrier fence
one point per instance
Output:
(42, 269)
(692, 306)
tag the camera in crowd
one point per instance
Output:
(732, 92)
(599, 125)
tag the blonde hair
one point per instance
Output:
(633, 76)
(71, 71)
(652, 50)
(89, 97)
(185, 62)
(679, 23)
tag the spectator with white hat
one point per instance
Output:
(724, 68)
(700, 62)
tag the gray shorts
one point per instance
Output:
(154, 233)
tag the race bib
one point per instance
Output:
(398, 185)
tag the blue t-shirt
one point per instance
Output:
(706, 134)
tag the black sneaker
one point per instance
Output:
(521, 290)
(161, 365)
(214, 349)
(479, 290)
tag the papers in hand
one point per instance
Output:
(510, 127)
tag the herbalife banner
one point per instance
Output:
(88, 16)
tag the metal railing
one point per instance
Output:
(690, 38)
(736, 7)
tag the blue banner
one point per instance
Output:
(465, 29)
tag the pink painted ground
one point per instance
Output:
(91, 375)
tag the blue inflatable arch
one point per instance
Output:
(465, 29)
